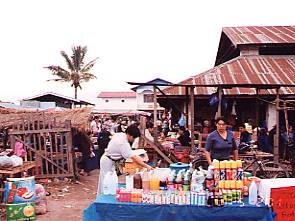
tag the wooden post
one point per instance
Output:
(186, 107)
(277, 135)
(142, 127)
(155, 115)
(219, 102)
(257, 107)
(192, 110)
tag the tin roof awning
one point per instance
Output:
(242, 75)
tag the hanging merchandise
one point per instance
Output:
(233, 110)
(181, 121)
(213, 99)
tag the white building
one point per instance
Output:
(140, 99)
(116, 102)
(145, 96)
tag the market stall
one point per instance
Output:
(107, 208)
(223, 192)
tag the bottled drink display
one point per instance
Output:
(222, 184)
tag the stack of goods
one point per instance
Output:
(185, 187)
(19, 196)
(225, 182)
(222, 184)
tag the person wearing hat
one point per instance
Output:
(119, 148)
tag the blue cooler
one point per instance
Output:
(179, 166)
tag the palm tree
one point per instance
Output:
(77, 72)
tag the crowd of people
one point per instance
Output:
(115, 139)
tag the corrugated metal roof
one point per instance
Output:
(57, 95)
(260, 34)
(266, 69)
(116, 94)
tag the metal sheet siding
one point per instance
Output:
(245, 70)
(260, 34)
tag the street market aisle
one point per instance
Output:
(105, 207)
(68, 199)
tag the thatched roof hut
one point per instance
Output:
(77, 116)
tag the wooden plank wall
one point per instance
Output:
(49, 143)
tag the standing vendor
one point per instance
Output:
(220, 143)
(119, 148)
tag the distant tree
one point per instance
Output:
(77, 71)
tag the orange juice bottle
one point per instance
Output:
(154, 182)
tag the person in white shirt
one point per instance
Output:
(95, 125)
(119, 148)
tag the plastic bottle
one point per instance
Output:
(216, 173)
(240, 171)
(222, 174)
(137, 182)
(234, 170)
(210, 174)
(253, 193)
(228, 170)
(129, 182)
(110, 183)
(228, 193)
(186, 184)
(145, 182)
(233, 191)
(154, 182)
(239, 186)
(178, 181)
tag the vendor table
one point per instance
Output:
(105, 207)
(14, 170)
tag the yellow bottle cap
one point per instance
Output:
(227, 164)
(216, 164)
(233, 164)
(221, 184)
(239, 163)
(227, 184)
(222, 164)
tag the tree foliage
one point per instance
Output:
(77, 71)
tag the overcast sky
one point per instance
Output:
(135, 40)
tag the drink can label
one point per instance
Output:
(222, 175)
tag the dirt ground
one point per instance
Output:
(69, 198)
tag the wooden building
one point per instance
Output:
(263, 57)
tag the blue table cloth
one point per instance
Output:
(106, 208)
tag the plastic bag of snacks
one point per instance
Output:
(41, 203)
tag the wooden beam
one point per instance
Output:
(257, 107)
(192, 123)
(186, 106)
(157, 149)
(155, 115)
(169, 100)
(277, 135)
(219, 111)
